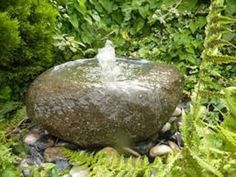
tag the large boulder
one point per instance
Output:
(73, 101)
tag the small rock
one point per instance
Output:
(109, 151)
(172, 119)
(67, 145)
(160, 150)
(177, 138)
(24, 164)
(76, 171)
(166, 127)
(40, 146)
(177, 112)
(131, 151)
(62, 164)
(144, 147)
(179, 125)
(36, 157)
(173, 146)
(31, 138)
(53, 153)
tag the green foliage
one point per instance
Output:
(10, 40)
(7, 106)
(26, 46)
(102, 164)
(212, 146)
(7, 160)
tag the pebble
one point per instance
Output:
(62, 164)
(159, 150)
(67, 145)
(179, 125)
(172, 119)
(36, 157)
(131, 151)
(177, 138)
(173, 146)
(166, 127)
(76, 171)
(51, 154)
(26, 162)
(31, 138)
(109, 151)
(144, 147)
(177, 112)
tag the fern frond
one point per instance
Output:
(170, 164)
(219, 19)
(230, 99)
(220, 58)
(211, 94)
(217, 43)
(217, 29)
(206, 165)
(229, 135)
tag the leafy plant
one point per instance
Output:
(7, 160)
(26, 48)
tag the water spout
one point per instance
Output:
(107, 61)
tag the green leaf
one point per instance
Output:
(197, 24)
(74, 21)
(144, 11)
(5, 93)
(167, 3)
(187, 5)
(107, 5)
(9, 172)
(80, 7)
(138, 25)
(7, 108)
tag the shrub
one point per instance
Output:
(26, 47)
(10, 39)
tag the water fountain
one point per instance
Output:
(104, 100)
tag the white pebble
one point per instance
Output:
(31, 138)
(76, 171)
(172, 119)
(160, 150)
(166, 127)
(24, 164)
(173, 146)
(177, 112)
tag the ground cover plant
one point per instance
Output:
(198, 37)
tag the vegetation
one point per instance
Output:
(197, 37)
(27, 44)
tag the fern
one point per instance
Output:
(217, 43)
(220, 58)
(205, 143)
(102, 164)
(221, 20)
(8, 160)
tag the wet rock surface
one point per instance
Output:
(39, 155)
(73, 103)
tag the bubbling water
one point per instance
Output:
(107, 61)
